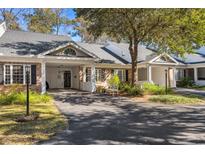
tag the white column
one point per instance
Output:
(43, 77)
(195, 74)
(84, 74)
(174, 77)
(93, 84)
(149, 74)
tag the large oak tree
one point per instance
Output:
(167, 30)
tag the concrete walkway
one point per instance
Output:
(100, 119)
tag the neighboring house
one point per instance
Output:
(58, 62)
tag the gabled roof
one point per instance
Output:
(29, 43)
(190, 58)
(98, 50)
(121, 50)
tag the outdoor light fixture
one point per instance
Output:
(27, 70)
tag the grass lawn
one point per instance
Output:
(177, 99)
(49, 122)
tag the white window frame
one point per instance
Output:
(11, 73)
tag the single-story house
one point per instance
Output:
(58, 62)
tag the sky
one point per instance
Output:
(64, 29)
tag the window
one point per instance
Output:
(1, 74)
(179, 74)
(16, 74)
(121, 74)
(201, 73)
(7, 79)
(142, 74)
(69, 52)
(99, 75)
(88, 74)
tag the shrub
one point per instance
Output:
(153, 89)
(185, 82)
(135, 91)
(20, 98)
(131, 90)
(114, 81)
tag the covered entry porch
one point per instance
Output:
(160, 70)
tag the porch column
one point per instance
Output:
(149, 73)
(195, 74)
(93, 84)
(174, 77)
(43, 77)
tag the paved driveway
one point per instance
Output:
(100, 119)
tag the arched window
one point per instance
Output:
(69, 52)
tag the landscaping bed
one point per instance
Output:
(49, 119)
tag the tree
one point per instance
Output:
(41, 20)
(81, 29)
(11, 17)
(171, 30)
(47, 20)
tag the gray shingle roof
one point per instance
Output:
(24, 43)
(121, 50)
(98, 50)
(191, 58)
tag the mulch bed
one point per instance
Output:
(24, 118)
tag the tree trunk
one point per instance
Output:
(133, 48)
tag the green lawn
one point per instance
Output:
(177, 99)
(49, 122)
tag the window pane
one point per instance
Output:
(18, 74)
(88, 74)
(7, 74)
(1, 74)
(201, 73)
(142, 74)
(28, 68)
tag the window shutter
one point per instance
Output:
(126, 75)
(33, 74)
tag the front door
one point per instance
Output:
(67, 79)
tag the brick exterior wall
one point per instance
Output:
(19, 87)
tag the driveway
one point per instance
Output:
(101, 119)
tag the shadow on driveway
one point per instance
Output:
(101, 119)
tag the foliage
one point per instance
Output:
(171, 30)
(153, 89)
(20, 98)
(11, 17)
(114, 81)
(50, 121)
(177, 99)
(131, 90)
(185, 82)
(46, 20)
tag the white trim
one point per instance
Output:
(43, 77)
(159, 56)
(67, 44)
(11, 73)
